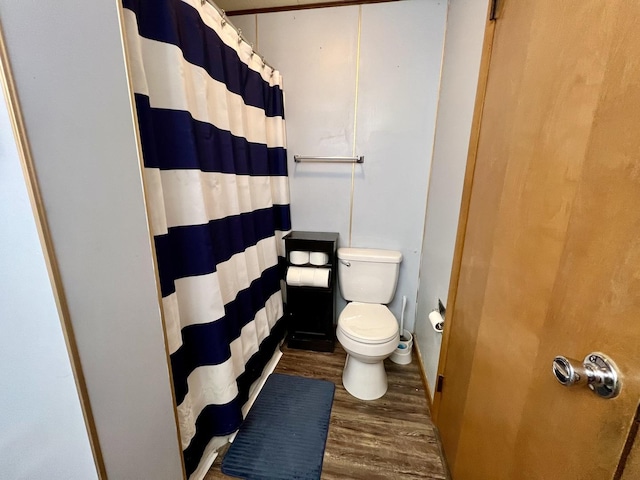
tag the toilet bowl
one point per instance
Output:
(367, 329)
(368, 332)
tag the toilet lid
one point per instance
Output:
(368, 323)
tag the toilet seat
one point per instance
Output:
(368, 323)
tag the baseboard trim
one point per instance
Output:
(427, 394)
(423, 375)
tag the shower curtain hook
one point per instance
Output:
(239, 36)
(223, 21)
(264, 64)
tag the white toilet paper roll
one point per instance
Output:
(298, 257)
(293, 276)
(308, 277)
(318, 258)
(437, 322)
(322, 277)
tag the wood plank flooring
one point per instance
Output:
(389, 438)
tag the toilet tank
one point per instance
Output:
(368, 275)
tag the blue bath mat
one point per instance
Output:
(285, 432)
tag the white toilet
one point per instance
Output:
(367, 329)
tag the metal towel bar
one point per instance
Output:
(305, 158)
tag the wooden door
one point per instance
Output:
(549, 250)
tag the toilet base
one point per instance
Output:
(366, 381)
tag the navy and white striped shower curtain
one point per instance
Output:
(212, 130)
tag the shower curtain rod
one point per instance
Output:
(226, 21)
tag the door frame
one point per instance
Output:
(483, 77)
(10, 93)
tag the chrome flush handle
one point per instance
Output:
(345, 263)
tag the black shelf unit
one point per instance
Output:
(311, 311)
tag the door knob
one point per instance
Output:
(570, 372)
(597, 372)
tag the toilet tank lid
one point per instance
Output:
(369, 255)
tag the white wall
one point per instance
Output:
(462, 53)
(69, 70)
(42, 430)
(399, 71)
(316, 52)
